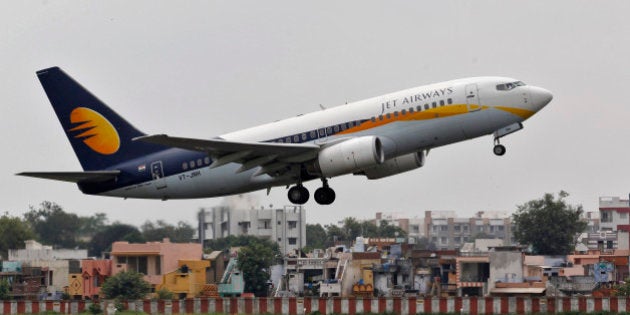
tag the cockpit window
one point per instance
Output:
(510, 85)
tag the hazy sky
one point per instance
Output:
(203, 68)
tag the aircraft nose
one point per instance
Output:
(541, 97)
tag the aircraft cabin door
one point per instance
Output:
(472, 97)
(157, 174)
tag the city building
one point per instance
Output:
(614, 218)
(152, 259)
(447, 231)
(240, 215)
(55, 264)
(414, 227)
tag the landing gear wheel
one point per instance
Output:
(298, 194)
(325, 195)
(499, 150)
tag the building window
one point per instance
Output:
(444, 228)
(443, 240)
(279, 239)
(292, 224)
(292, 240)
(609, 244)
(606, 216)
(457, 228)
(457, 240)
(623, 215)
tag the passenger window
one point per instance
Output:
(380, 117)
(373, 119)
(410, 110)
(313, 134)
(192, 164)
(441, 102)
(296, 139)
(329, 130)
(184, 166)
(396, 114)
(322, 132)
(388, 115)
(419, 107)
(449, 101)
(304, 137)
(206, 160)
(336, 128)
(288, 140)
(426, 106)
(199, 162)
(434, 104)
(280, 141)
(404, 112)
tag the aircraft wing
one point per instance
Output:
(74, 177)
(274, 158)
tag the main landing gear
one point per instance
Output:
(324, 195)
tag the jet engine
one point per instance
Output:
(350, 156)
(395, 165)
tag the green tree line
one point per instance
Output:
(49, 224)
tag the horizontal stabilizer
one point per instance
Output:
(75, 177)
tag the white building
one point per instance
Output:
(241, 215)
(614, 217)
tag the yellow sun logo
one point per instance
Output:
(95, 131)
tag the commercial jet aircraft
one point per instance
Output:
(376, 138)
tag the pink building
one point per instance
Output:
(152, 259)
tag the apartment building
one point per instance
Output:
(447, 231)
(239, 215)
(614, 218)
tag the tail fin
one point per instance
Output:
(100, 137)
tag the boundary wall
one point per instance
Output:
(298, 306)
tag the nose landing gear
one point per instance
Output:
(498, 149)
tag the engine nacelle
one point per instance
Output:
(395, 166)
(350, 156)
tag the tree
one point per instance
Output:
(549, 224)
(102, 241)
(13, 233)
(254, 261)
(126, 285)
(5, 287)
(182, 233)
(388, 230)
(316, 237)
(54, 226)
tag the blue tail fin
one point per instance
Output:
(100, 137)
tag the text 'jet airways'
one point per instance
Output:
(376, 138)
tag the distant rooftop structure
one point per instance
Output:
(35, 251)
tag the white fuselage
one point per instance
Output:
(407, 121)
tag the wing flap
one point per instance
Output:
(74, 177)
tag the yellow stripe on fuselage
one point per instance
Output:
(432, 113)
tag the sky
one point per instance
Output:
(204, 68)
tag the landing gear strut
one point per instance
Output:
(298, 194)
(325, 195)
(498, 149)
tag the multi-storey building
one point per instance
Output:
(447, 231)
(238, 216)
(614, 217)
(414, 227)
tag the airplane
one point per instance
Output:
(376, 138)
